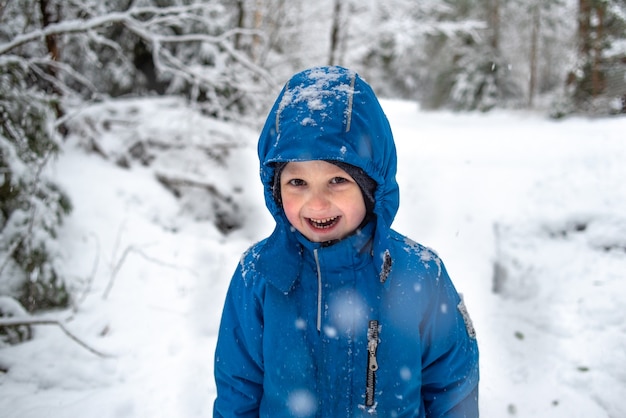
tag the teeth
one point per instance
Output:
(324, 222)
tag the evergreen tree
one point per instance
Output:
(31, 207)
(409, 48)
(596, 84)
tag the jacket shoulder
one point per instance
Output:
(249, 261)
(410, 254)
(271, 261)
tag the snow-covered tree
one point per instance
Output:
(476, 77)
(54, 56)
(550, 46)
(122, 47)
(404, 39)
(597, 83)
(31, 207)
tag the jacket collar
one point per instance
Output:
(283, 254)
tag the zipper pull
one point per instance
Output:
(372, 345)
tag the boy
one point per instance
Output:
(335, 314)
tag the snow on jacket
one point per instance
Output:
(369, 326)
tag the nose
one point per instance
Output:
(319, 199)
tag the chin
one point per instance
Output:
(324, 237)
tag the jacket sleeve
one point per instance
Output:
(450, 370)
(238, 363)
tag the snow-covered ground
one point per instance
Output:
(531, 208)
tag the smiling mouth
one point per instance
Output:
(324, 223)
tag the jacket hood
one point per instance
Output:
(330, 113)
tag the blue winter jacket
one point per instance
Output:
(369, 326)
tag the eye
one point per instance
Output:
(338, 180)
(296, 182)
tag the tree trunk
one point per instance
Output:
(50, 16)
(494, 23)
(255, 49)
(533, 61)
(591, 15)
(241, 19)
(597, 77)
(335, 34)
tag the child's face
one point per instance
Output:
(321, 200)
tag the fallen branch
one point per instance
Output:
(132, 249)
(16, 322)
(80, 299)
(117, 268)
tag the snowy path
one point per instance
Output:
(554, 346)
(546, 200)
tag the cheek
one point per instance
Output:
(353, 205)
(291, 209)
(357, 215)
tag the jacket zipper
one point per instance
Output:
(319, 291)
(372, 363)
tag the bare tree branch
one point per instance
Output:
(149, 23)
(16, 322)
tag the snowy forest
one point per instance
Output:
(96, 76)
